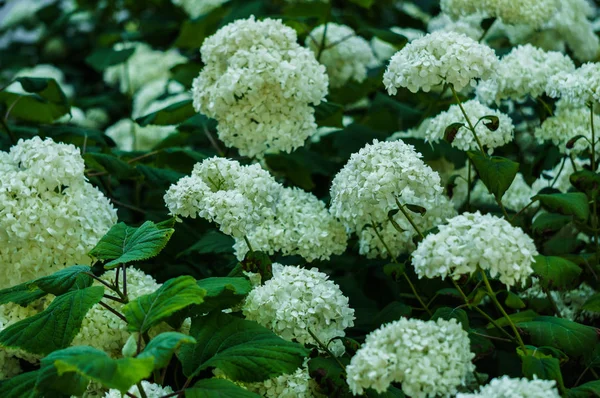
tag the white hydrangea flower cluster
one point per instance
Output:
(9, 366)
(294, 385)
(429, 358)
(346, 55)
(524, 71)
(42, 70)
(147, 99)
(473, 241)
(298, 299)
(470, 25)
(93, 118)
(221, 190)
(515, 12)
(515, 388)
(101, 328)
(143, 66)
(568, 123)
(578, 88)
(151, 390)
(563, 182)
(197, 8)
(259, 84)
(440, 57)
(301, 225)
(50, 215)
(367, 187)
(129, 136)
(464, 139)
(517, 196)
(569, 302)
(438, 211)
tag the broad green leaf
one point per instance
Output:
(211, 242)
(480, 345)
(109, 163)
(76, 135)
(571, 337)
(363, 3)
(96, 365)
(20, 294)
(394, 270)
(218, 388)
(330, 377)
(490, 121)
(329, 114)
(555, 273)
(186, 73)
(158, 176)
(517, 317)
(243, 350)
(514, 301)
(388, 36)
(151, 309)
(123, 244)
(46, 88)
(571, 204)
(592, 304)
(50, 383)
(20, 386)
(163, 346)
(391, 312)
(60, 282)
(104, 57)
(549, 222)
(193, 32)
(451, 131)
(56, 326)
(258, 262)
(547, 368)
(496, 173)
(448, 313)
(173, 114)
(223, 292)
(32, 108)
(587, 390)
(586, 181)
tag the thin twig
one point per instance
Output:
(108, 307)
(326, 349)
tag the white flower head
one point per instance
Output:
(146, 138)
(473, 241)
(236, 197)
(568, 123)
(151, 390)
(440, 57)
(577, 88)
(43, 71)
(429, 358)
(260, 86)
(346, 55)
(469, 25)
(298, 299)
(516, 388)
(293, 385)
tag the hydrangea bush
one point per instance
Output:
(299, 198)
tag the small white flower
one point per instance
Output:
(516, 388)
(151, 390)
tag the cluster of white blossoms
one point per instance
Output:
(568, 123)
(197, 8)
(301, 225)
(470, 25)
(464, 139)
(569, 302)
(156, 95)
(473, 241)
(129, 136)
(559, 176)
(529, 12)
(346, 55)
(50, 215)
(430, 358)
(296, 300)
(104, 330)
(515, 388)
(516, 197)
(577, 88)
(42, 71)
(294, 385)
(383, 51)
(522, 72)
(143, 66)
(93, 118)
(259, 84)
(221, 190)
(440, 57)
(151, 390)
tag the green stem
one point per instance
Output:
(409, 218)
(501, 309)
(141, 389)
(508, 218)
(325, 348)
(248, 244)
(593, 137)
(552, 302)
(471, 127)
(469, 185)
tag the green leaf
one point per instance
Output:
(547, 223)
(162, 347)
(363, 3)
(513, 301)
(556, 273)
(193, 32)
(46, 88)
(329, 114)
(571, 143)
(547, 368)
(391, 312)
(571, 204)
(159, 176)
(123, 244)
(490, 121)
(451, 131)
(50, 383)
(96, 365)
(592, 304)
(394, 270)
(523, 316)
(243, 350)
(105, 57)
(44, 106)
(21, 294)
(586, 181)
(110, 164)
(151, 309)
(211, 242)
(571, 337)
(218, 388)
(416, 209)
(65, 280)
(388, 36)
(587, 390)
(20, 386)
(173, 114)
(448, 313)
(330, 377)
(496, 173)
(223, 292)
(56, 326)
(258, 262)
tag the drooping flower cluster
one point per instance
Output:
(196, 8)
(464, 139)
(568, 123)
(440, 57)
(234, 196)
(301, 225)
(296, 300)
(578, 88)
(50, 215)
(143, 66)
(515, 388)
(524, 71)
(519, 12)
(473, 241)
(429, 358)
(345, 54)
(259, 84)
(151, 390)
